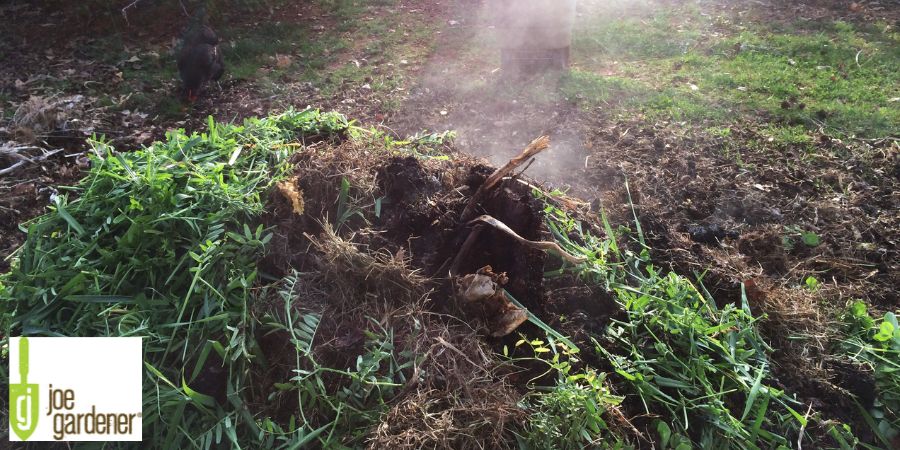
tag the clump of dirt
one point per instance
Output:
(319, 173)
(408, 209)
(403, 179)
(421, 209)
(577, 308)
(764, 247)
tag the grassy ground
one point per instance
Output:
(686, 66)
(329, 47)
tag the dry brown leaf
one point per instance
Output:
(292, 193)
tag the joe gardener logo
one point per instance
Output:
(23, 398)
(75, 389)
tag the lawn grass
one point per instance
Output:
(247, 50)
(383, 41)
(836, 77)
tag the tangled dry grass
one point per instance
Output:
(457, 395)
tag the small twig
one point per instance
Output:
(446, 344)
(18, 149)
(48, 154)
(135, 2)
(24, 159)
(130, 5)
(12, 168)
(14, 153)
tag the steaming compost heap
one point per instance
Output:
(299, 280)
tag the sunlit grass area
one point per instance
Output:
(837, 77)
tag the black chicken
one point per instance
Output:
(199, 60)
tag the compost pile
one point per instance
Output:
(299, 281)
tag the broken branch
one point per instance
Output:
(536, 146)
(14, 152)
(12, 168)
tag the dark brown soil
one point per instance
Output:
(766, 249)
(25, 193)
(418, 230)
(415, 218)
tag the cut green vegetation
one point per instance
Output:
(685, 359)
(161, 243)
(875, 344)
(571, 414)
